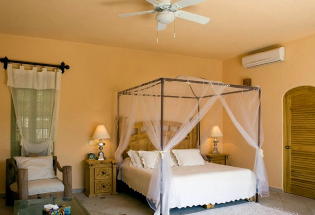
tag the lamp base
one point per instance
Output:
(101, 155)
(215, 147)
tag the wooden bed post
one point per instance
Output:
(162, 144)
(259, 115)
(118, 119)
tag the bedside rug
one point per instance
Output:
(249, 208)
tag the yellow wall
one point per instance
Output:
(89, 88)
(98, 72)
(275, 79)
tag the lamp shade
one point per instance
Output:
(101, 132)
(216, 132)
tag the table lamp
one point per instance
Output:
(101, 134)
(215, 134)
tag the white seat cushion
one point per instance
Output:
(38, 167)
(40, 186)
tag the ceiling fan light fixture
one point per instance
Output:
(166, 12)
(165, 17)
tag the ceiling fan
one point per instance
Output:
(166, 12)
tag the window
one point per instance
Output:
(35, 108)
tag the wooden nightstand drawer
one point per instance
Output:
(219, 161)
(103, 186)
(218, 158)
(103, 173)
(100, 177)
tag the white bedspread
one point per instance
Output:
(197, 185)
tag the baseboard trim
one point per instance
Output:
(276, 189)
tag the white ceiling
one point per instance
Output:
(237, 26)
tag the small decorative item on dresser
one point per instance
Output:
(101, 134)
(100, 177)
(91, 156)
(215, 134)
(218, 158)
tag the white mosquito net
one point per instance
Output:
(186, 100)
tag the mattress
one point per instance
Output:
(196, 185)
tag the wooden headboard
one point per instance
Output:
(139, 139)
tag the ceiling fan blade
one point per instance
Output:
(185, 3)
(192, 17)
(161, 26)
(153, 2)
(137, 13)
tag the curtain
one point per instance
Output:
(243, 110)
(187, 112)
(189, 117)
(35, 96)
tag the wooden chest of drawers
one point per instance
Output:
(99, 177)
(218, 158)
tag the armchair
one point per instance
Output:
(19, 187)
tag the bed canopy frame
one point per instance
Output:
(134, 91)
(143, 91)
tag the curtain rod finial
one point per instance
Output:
(64, 66)
(5, 62)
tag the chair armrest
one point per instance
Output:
(59, 167)
(67, 181)
(11, 173)
(22, 182)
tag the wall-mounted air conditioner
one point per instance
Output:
(266, 57)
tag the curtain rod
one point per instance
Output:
(62, 66)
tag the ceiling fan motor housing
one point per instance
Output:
(165, 17)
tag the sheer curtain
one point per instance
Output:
(187, 103)
(148, 110)
(243, 110)
(35, 96)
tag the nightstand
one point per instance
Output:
(218, 158)
(99, 177)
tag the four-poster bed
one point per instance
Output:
(149, 108)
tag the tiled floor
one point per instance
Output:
(289, 202)
(124, 204)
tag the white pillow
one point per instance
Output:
(38, 167)
(135, 159)
(188, 157)
(149, 158)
